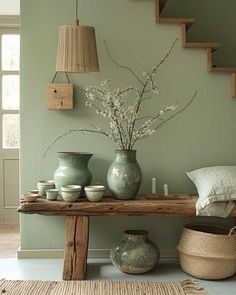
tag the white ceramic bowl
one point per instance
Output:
(43, 185)
(70, 193)
(72, 187)
(94, 193)
(34, 191)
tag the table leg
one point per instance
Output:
(76, 247)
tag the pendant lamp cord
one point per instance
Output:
(76, 11)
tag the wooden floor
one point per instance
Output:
(9, 240)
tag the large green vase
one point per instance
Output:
(73, 169)
(135, 253)
(124, 175)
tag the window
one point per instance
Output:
(10, 90)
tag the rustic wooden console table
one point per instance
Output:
(77, 220)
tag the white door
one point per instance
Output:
(9, 123)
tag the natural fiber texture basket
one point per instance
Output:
(208, 251)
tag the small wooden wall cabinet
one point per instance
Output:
(60, 96)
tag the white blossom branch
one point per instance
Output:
(151, 131)
(165, 57)
(149, 76)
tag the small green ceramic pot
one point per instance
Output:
(135, 253)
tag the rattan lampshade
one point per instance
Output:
(77, 50)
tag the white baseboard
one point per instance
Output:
(93, 254)
(40, 254)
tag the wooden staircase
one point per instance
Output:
(185, 24)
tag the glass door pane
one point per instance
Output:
(10, 92)
(10, 131)
(10, 52)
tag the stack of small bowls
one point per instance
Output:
(94, 193)
(70, 193)
(44, 185)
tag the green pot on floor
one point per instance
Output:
(135, 253)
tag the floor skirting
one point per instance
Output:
(101, 254)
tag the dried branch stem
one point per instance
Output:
(82, 130)
(177, 113)
(121, 66)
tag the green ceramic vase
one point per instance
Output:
(124, 175)
(73, 169)
(135, 253)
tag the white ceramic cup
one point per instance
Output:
(52, 194)
(94, 193)
(70, 193)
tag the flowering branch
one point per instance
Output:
(153, 88)
(146, 130)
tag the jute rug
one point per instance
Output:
(187, 287)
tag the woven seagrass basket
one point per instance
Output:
(208, 251)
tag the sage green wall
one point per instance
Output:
(201, 136)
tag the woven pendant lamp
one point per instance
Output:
(77, 50)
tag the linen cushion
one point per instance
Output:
(214, 184)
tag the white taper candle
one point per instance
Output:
(154, 185)
(166, 192)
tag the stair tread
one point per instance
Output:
(201, 45)
(223, 69)
(174, 20)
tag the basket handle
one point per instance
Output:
(232, 230)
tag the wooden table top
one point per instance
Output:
(152, 205)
